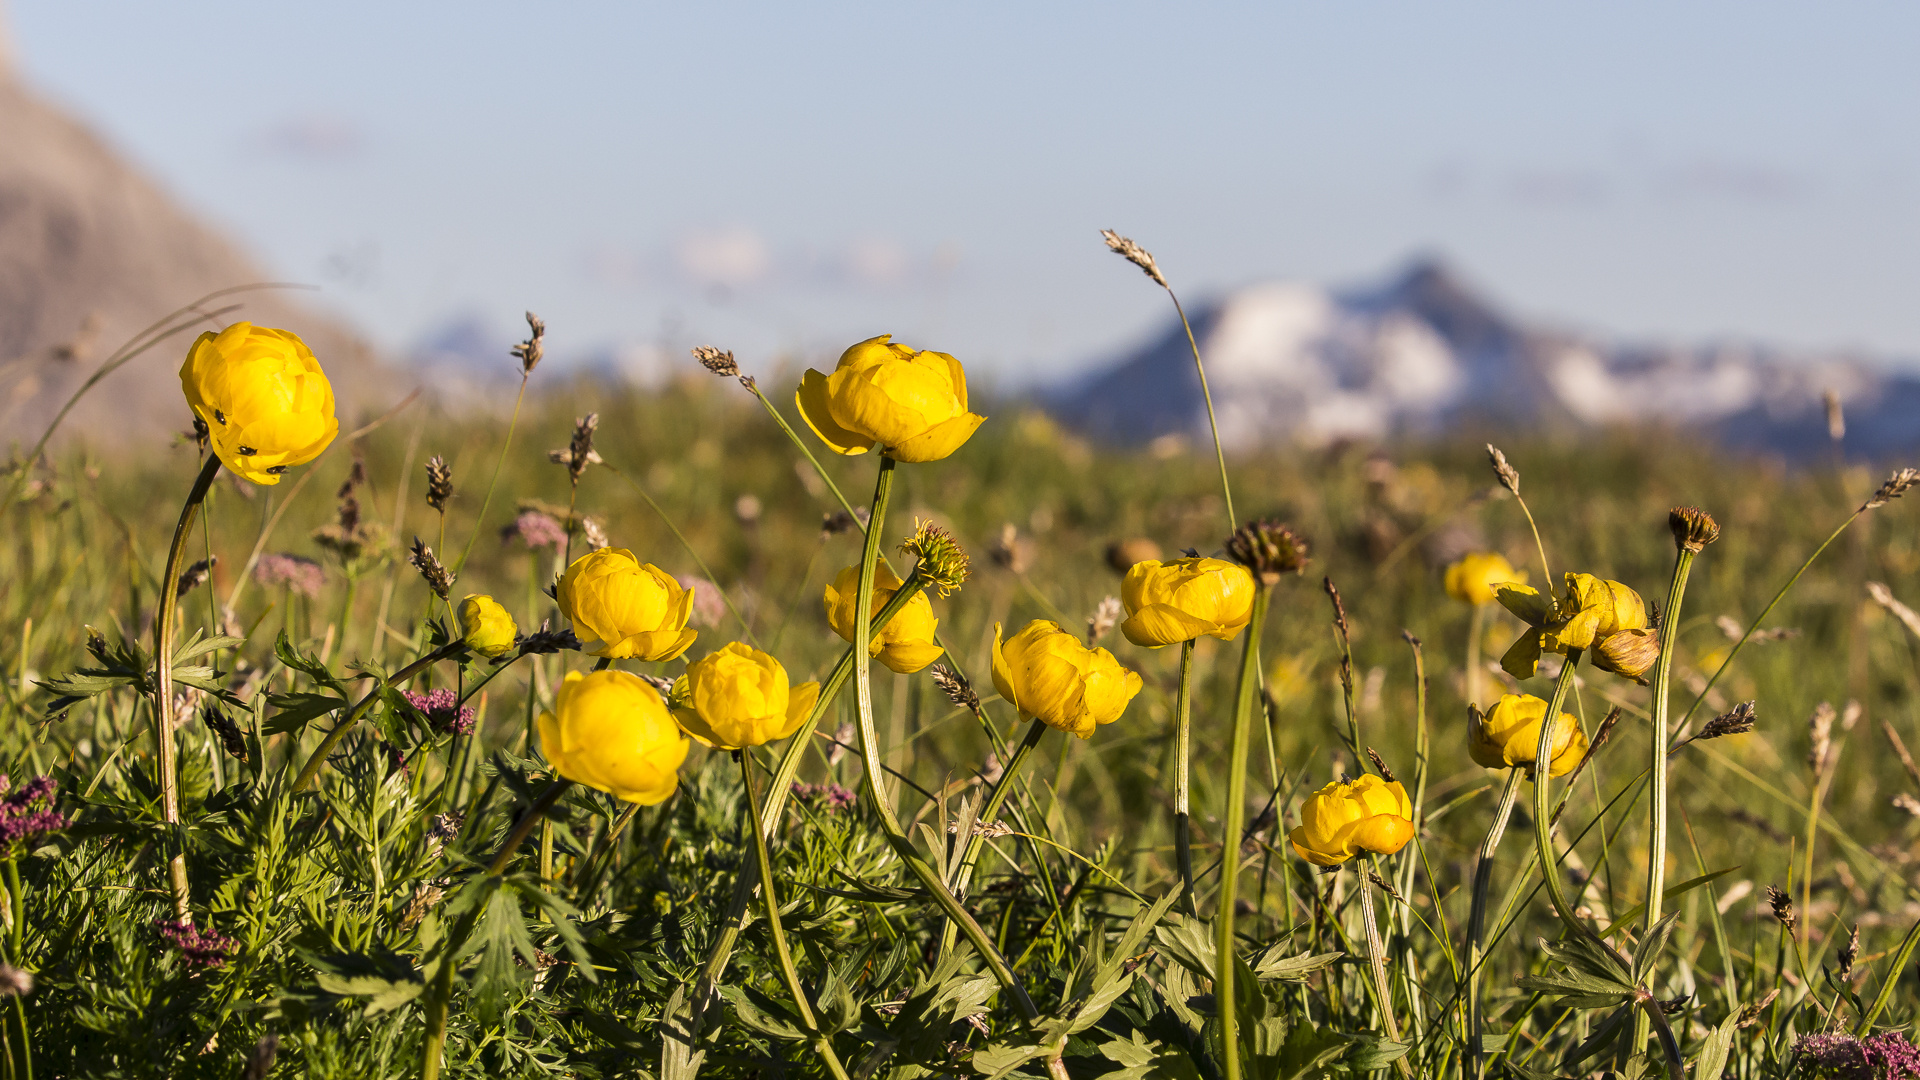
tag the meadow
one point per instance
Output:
(358, 875)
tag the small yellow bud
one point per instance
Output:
(1049, 676)
(487, 627)
(1342, 820)
(1508, 736)
(1185, 599)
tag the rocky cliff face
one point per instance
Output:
(92, 252)
(1423, 353)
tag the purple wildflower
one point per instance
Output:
(26, 814)
(301, 575)
(443, 710)
(829, 797)
(534, 529)
(1886, 1056)
(200, 948)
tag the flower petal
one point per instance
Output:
(812, 400)
(939, 440)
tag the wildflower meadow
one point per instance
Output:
(844, 722)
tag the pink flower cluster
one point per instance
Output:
(28, 813)
(443, 710)
(829, 797)
(534, 529)
(1886, 1056)
(200, 948)
(301, 575)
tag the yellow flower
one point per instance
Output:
(1509, 735)
(1342, 820)
(1049, 676)
(1591, 610)
(905, 644)
(487, 627)
(622, 608)
(611, 731)
(1472, 578)
(265, 401)
(914, 404)
(739, 697)
(1184, 599)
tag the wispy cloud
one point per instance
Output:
(313, 137)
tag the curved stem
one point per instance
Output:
(163, 631)
(1219, 453)
(318, 758)
(1183, 777)
(1476, 629)
(771, 898)
(1477, 917)
(1377, 962)
(480, 520)
(963, 874)
(1225, 944)
(1662, 676)
(1543, 796)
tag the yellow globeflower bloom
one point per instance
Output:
(1342, 820)
(487, 627)
(265, 401)
(611, 731)
(1049, 676)
(739, 697)
(622, 608)
(905, 644)
(913, 403)
(1473, 578)
(1591, 610)
(1169, 602)
(1508, 735)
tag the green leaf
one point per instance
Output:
(1718, 1046)
(1189, 942)
(1274, 964)
(293, 712)
(998, 1059)
(1371, 1052)
(200, 646)
(1632, 915)
(1142, 1059)
(385, 995)
(290, 655)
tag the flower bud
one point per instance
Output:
(1630, 653)
(1047, 675)
(905, 644)
(1185, 599)
(611, 731)
(912, 403)
(739, 697)
(486, 626)
(942, 562)
(1508, 736)
(624, 609)
(1693, 528)
(265, 401)
(1342, 820)
(1269, 549)
(1473, 578)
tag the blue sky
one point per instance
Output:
(775, 178)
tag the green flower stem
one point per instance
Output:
(163, 632)
(1662, 678)
(1183, 777)
(1476, 629)
(770, 897)
(318, 758)
(1543, 800)
(872, 779)
(1219, 453)
(440, 993)
(963, 874)
(1377, 962)
(794, 437)
(1225, 944)
(1885, 995)
(745, 627)
(16, 953)
(487, 500)
(1411, 857)
(1477, 917)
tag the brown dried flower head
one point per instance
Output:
(1737, 721)
(579, 452)
(438, 577)
(531, 350)
(718, 361)
(1104, 618)
(955, 686)
(1509, 476)
(1848, 953)
(439, 483)
(1135, 254)
(1268, 548)
(192, 576)
(1896, 486)
(1693, 528)
(1782, 906)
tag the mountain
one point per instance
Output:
(1423, 353)
(92, 252)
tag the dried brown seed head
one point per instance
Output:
(1509, 476)
(192, 576)
(955, 686)
(1782, 906)
(1104, 618)
(1820, 737)
(1897, 485)
(594, 532)
(1737, 721)
(531, 350)
(1630, 653)
(579, 452)
(718, 361)
(1135, 254)
(1848, 953)
(1750, 1015)
(1380, 765)
(437, 577)
(1268, 548)
(439, 483)
(1693, 528)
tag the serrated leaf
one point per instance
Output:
(1188, 942)
(1274, 964)
(1142, 1059)
(1371, 1052)
(385, 995)
(1647, 953)
(755, 1015)
(1000, 1059)
(200, 646)
(293, 712)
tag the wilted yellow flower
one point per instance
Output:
(1508, 735)
(265, 401)
(1472, 578)
(905, 644)
(1184, 599)
(1342, 820)
(611, 731)
(486, 626)
(622, 608)
(914, 404)
(1630, 653)
(1591, 610)
(739, 697)
(1049, 676)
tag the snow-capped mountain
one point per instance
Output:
(1295, 361)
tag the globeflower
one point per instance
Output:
(1170, 602)
(1508, 736)
(912, 403)
(487, 627)
(622, 608)
(1590, 611)
(612, 732)
(1473, 578)
(1049, 676)
(266, 403)
(1342, 820)
(739, 697)
(905, 644)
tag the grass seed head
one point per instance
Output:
(530, 351)
(1135, 254)
(579, 452)
(1848, 954)
(1896, 486)
(1820, 737)
(439, 483)
(1782, 906)
(1104, 618)
(1509, 476)
(1693, 528)
(192, 576)
(955, 686)
(437, 577)
(1737, 721)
